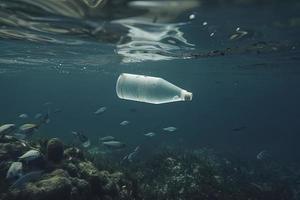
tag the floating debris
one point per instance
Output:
(204, 23)
(15, 170)
(106, 138)
(83, 139)
(30, 155)
(114, 144)
(23, 116)
(100, 110)
(7, 129)
(124, 123)
(150, 134)
(170, 129)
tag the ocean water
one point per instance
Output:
(239, 59)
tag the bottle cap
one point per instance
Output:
(186, 96)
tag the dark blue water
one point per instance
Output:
(245, 100)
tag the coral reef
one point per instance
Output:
(55, 150)
(71, 174)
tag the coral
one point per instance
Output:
(55, 150)
(57, 185)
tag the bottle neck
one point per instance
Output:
(186, 96)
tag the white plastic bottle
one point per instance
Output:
(149, 89)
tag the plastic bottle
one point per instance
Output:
(149, 89)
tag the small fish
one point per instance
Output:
(7, 128)
(38, 116)
(124, 123)
(241, 128)
(15, 170)
(100, 110)
(263, 155)
(23, 116)
(20, 136)
(150, 134)
(84, 140)
(132, 155)
(170, 129)
(57, 110)
(30, 155)
(106, 138)
(28, 129)
(26, 178)
(47, 103)
(46, 118)
(114, 144)
(239, 34)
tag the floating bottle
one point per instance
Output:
(149, 89)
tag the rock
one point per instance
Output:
(57, 185)
(55, 150)
(74, 154)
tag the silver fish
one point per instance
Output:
(106, 138)
(83, 139)
(132, 155)
(124, 123)
(38, 116)
(114, 144)
(27, 178)
(23, 116)
(263, 155)
(28, 128)
(30, 155)
(100, 110)
(170, 129)
(150, 134)
(7, 128)
(15, 170)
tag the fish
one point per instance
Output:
(30, 155)
(106, 138)
(47, 103)
(28, 129)
(263, 155)
(7, 129)
(114, 144)
(20, 136)
(241, 128)
(23, 116)
(26, 178)
(84, 140)
(170, 129)
(100, 110)
(15, 170)
(57, 110)
(132, 155)
(150, 134)
(46, 118)
(38, 116)
(124, 123)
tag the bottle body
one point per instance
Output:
(149, 89)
